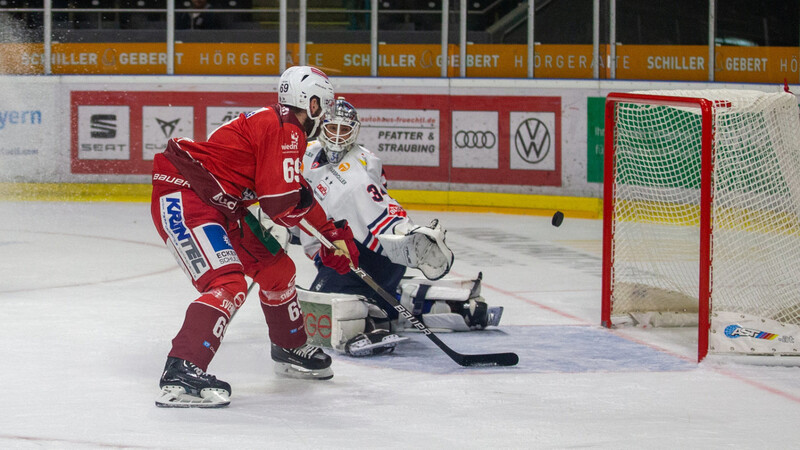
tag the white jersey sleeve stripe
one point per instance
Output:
(375, 225)
(383, 226)
(374, 245)
(371, 243)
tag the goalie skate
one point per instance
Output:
(304, 362)
(479, 315)
(184, 385)
(493, 315)
(373, 343)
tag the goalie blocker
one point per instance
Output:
(345, 322)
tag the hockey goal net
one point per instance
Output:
(701, 217)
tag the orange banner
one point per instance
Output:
(566, 61)
(756, 64)
(21, 59)
(227, 59)
(482, 60)
(632, 62)
(111, 58)
(394, 60)
(662, 62)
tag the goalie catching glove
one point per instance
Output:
(346, 252)
(422, 248)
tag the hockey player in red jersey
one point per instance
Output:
(201, 191)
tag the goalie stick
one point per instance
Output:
(485, 359)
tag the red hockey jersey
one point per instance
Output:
(255, 156)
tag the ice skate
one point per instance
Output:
(184, 385)
(479, 315)
(375, 342)
(493, 315)
(304, 362)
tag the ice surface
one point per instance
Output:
(90, 300)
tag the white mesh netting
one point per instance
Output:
(756, 204)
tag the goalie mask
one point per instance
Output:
(298, 85)
(340, 130)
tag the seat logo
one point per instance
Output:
(103, 126)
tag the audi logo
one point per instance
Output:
(475, 139)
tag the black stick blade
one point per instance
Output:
(490, 359)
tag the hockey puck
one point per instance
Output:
(558, 217)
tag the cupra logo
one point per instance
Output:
(167, 127)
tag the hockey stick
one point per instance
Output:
(486, 359)
(264, 236)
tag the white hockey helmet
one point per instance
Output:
(340, 130)
(299, 84)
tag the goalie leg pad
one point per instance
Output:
(448, 305)
(333, 319)
(445, 289)
(444, 322)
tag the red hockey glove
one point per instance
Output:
(342, 238)
(293, 217)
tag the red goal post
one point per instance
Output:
(692, 178)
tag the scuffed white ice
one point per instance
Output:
(91, 299)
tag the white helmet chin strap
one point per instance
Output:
(316, 121)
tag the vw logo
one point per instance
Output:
(475, 139)
(532, 140)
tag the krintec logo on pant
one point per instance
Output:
(181, 241)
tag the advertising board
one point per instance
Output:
(490, 139)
